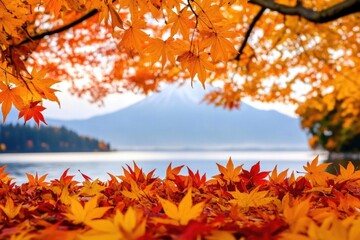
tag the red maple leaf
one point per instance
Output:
(33, 111)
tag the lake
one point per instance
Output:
(97, 165)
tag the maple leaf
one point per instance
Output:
(253, 199)
(92, 188)
(133, 37)
(41, 86)
(254, 176)
(55, 6)
(229, 173)
(316, 172)
(8, 97)
(197, 64)
(116, 20)
(4, 175)
(183, 213)
(9, 209)
(330, 228)
(79, 214)
(196, 180)
(136, 192)
(163, 49)
(297, 215)
(36, 181)
(278, 178)
(348, 173)
(33, 111)
(130, 225)
(221, 47)
(172, 172)
(181, 22)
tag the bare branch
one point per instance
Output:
(332, 13)
(248, 32)
(60, 29)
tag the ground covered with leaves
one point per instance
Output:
(235, 204)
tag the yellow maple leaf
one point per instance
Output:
(137, 193)
(79, 214)
(253, 199)
(9, 209)
(92, 188)
(183, 213)
(130, 225)
(330, 228)
(297, 214)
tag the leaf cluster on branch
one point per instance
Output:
(235, 204)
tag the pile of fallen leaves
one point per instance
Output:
(235, 204)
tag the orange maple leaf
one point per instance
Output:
(221, 47)
(163, 49)
(133, 38)
(41, 86)
(316, 172)
(33, 111)
(9, 209)
(35, 180)
(181, 22)
(197, 64)
(8, 97)
(229, 173)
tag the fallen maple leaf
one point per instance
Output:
(316, 172)
(229, 173)
(183, 213)
(9, 209)
(130, 225)
(79, 214)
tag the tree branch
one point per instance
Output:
(248, 32)
(339, 10)
(60, 29)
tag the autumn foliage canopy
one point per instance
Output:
(235, 204)
(302, 52)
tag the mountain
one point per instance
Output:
(174, 118)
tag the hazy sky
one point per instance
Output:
(75, 108)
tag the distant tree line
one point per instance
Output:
(20, 138)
